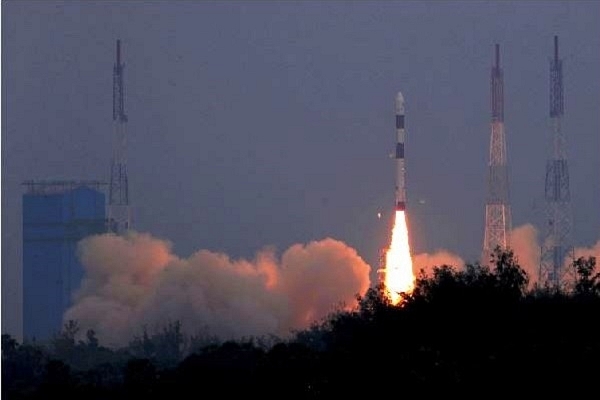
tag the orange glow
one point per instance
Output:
(398, 271)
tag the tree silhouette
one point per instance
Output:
(475, 331)
(587, 282)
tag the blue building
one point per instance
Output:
(56, 216)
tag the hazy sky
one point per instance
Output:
(257, 124)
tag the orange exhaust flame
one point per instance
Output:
(398, 271)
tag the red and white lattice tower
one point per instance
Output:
(497, 207)
(119, 214)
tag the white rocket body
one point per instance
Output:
(400, 167)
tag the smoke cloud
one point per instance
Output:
(524, 243)
(135, 280)
(593, 251)
(526, 247)
(427, 262)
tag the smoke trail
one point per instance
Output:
(136, 280)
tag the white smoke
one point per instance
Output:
(135, 280)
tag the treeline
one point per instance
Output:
(477, 331)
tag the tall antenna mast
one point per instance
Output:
(119, 215)
(497, 209)
(557, 245)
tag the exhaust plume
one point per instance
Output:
(135, 280)
(398, 273)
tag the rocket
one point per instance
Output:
(400, 168)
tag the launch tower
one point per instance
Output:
(557, 245)
(497, 208)
(119, 215)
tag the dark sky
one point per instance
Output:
(271, 123)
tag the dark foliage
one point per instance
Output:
(164, 347)
(471, 332)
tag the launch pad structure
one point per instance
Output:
(498, 219)
(57, 214)
(119, 212)
(557, 243)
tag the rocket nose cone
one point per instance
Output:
(399, 103)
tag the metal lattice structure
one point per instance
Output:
(119, 214)
(557, 245)
(497, 209)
